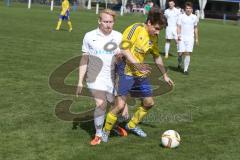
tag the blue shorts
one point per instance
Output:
(137, 86)
(120, 67)
(66, 16)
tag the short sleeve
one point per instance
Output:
(85, 48)
(179, 12)
(165, 13)
(130, 35)
(196, 21)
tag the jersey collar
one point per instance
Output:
(99, 33)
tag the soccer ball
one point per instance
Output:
(170, 139)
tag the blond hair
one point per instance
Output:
(109, 12)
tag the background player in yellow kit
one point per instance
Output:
(139, 40)
(65, 15)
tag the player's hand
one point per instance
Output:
(79, 89)
(197, 42)
(119, 56)
(168, 80)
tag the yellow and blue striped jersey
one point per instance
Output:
(65, 7)
(140, 44)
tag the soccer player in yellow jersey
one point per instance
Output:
(139, 40)
(64, 15)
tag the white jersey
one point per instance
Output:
(187, 24)
(101, 63)
(172, 16)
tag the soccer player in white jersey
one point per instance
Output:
(171, 15)
(98, 63)
(187, 30)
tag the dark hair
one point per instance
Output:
(188, 4)
(171, 1)
(155, 16)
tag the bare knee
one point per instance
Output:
(148, 103)
(101, 104)
(119, 105)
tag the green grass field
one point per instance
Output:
(203, 107)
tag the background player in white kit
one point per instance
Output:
(171, 15)
(99, 64)
(187, 30)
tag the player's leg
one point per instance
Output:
(117, 128)
(99, 114)
(180, 54)
(143, 89)
(61, 17)
(70, 26)
(138, 116)
(167, 43)
(112, 115)
(125, 83)
(69, 21)
(167, 47)
(186, 62)
(189, 48)
(122, 117)
(170, 34)
(181, 49)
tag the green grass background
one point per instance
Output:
(203, 107)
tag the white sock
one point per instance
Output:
(99, 116)
(186, 62)
(167, 47)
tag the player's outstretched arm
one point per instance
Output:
(159, 63)
(82, 72)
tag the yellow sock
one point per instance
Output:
(137, 117)
(70, 26)
(59, 24)
(110, 121)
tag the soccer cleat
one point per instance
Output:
(186, 73)
(179, 67)
(95, 141)
(70, 30)
(138, 131)
(120, 131)
(166, 56)
(105, 136)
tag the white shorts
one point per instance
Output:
(185, 45)
(171, 33)
(103, 86)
